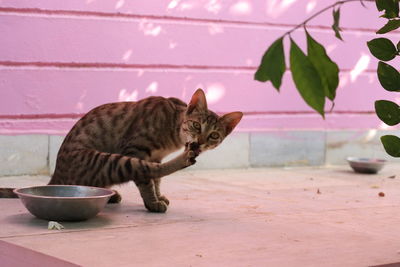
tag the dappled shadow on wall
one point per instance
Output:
(360, 68)
(133, 95)
(215, 92)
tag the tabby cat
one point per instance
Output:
(120, 142)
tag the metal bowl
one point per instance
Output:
(64, 202)
(366, 165)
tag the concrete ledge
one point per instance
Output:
(363, 143)
(287, 148)
(36, 154)
(55, 142)
(24, 154)
(232, 153)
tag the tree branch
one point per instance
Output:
(322, 11)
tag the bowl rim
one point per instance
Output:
(16, 191)
(370, 160)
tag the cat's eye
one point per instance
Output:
(196, 125)
(214, 135)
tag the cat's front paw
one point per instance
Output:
(164, 199)
(158, 206)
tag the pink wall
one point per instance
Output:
(59, 59)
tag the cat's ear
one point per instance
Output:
(198, 101)
(230, 120)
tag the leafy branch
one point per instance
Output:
(389, 78)
(311, 72)
(338, 3)
(316, 76)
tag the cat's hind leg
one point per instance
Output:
(116, 198)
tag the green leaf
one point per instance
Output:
(382, 49)
(388, 112)
(391, 143)
(272, 65)
(391, 8)
(327, 69)
(306, 79)
(335, 26)
(389, 77)
(390, 26)
(398, 46)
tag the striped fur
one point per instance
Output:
(121, 142)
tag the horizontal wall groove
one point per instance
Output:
(104, 66)
(120, 15)
(310, 112)
(249, 113)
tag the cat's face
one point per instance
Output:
(203, 126)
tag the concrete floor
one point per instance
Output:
(248, 217)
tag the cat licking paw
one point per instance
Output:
(194, 146)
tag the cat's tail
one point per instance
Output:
(7, 193)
